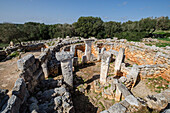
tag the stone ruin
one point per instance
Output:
(34, 93)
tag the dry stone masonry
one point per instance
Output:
(34, 92)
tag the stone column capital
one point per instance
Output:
(62, 56)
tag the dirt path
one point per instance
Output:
(9, 72)
(141, 90)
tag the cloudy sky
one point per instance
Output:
(68, 11)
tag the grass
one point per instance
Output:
(165, 39)
(14, 54)
(161, 83)
(103, 108)
(160, 44)
(3, 45)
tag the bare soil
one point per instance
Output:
(9, 72)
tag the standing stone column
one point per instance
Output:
(119, 60)
(118, 94)
(105, 60)
(45, 68)
(88, 44)
(66, 66)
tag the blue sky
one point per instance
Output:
(68, 11)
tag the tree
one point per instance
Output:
(89, 26)
(11, 32)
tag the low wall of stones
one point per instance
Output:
(3, 54)
(151, 63)
(32, 72)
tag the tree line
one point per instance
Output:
(84, 27)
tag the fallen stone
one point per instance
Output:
(57, 101)
(20, 90)
(33, 107)
(13, 105)
(117, 108)
(157, 102)
(132, 100)
(25, 62)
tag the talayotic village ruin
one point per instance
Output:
(92, 65)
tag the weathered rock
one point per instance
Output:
(66, 66)
(124, 103)
(60, 90)
(132, 100)
(20, 90)
(119, 60)
(157, 102)
(125, 92)
(133, 74)
(33, 107)
(104, 66)
(88, 43)
(84, 59)
(33, 100)
(25, 62)
(57, 101)
(117, 108)
(13, 105)
(105, 111)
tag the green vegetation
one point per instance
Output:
(103, 108)
(14, 54)
(162, 44)
(157, 84)
(86, 27)
(3, 44)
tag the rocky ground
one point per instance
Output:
(9, 72)
(85, 99)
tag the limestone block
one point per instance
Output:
(38, 75)
(132, 100)
(118, 94)
(20, 90)
(134, 72)
(75, 61)
(117, 108)
(84, 59)
(104, 66)
(25, 62)
(119, 60)
(157, 102)
(125, 92)
(45, 68)
(66, 66)
(88, 44)
(13, 105)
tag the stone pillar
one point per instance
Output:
(100, 53)
(66, 66)
(75, 61)
(105, 61)
(72, 49)
(119, 60)
(84, 59)
(117, 94)
(88, 44)
(45, 68)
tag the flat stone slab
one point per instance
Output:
(117, 108)
(125, 92)
(63, 55)
(132, 100)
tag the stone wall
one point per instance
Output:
(151, 62)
